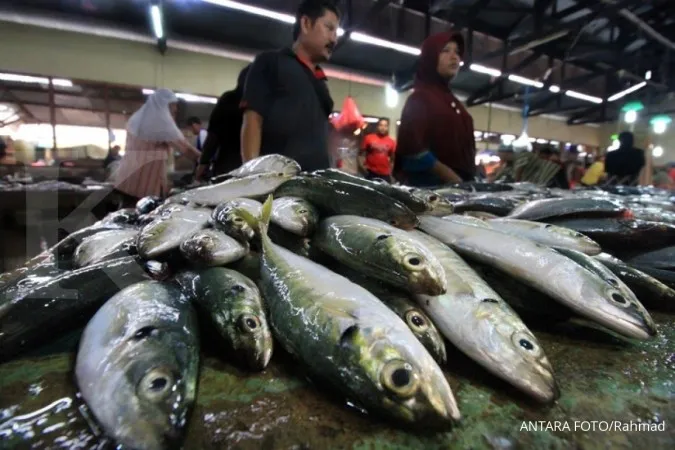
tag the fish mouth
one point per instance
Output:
(631, 327)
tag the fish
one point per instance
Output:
(621, 235)
(439, 205)
(381, 251)
(652, 293)
(554, 208)
(252, 186)
(299, 245)
(127, 216)
(416, 203)
(226, 217)
(295, 215)
(208, 248)
(65, 248)
(663, 258)
(499, 206)
(476, 186)
(104, 246)
(653, 215)
(42, 308)
(137, 365)
(547, 234)
(248, 266)
(346, 336)
(666, 277)
(232, 303)
(546, 270)
(476, 320)
(265, 164)
(148, 204)
(405, 307)
(334, 197)
(481, 215)
(165, 234)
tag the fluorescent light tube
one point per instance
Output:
(553, 88)
(367, 39)
(156, 15)
(526, 81)
(630, 90)
(486, 70)
(580, 96)
(281, 17)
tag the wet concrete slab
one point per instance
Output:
(603, 378)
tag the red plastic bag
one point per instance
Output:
(349, 118)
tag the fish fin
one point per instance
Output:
(260, 224)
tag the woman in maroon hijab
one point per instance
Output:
(435, 141)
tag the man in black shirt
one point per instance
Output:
(623, 166)
(223, 141)
(286, 98)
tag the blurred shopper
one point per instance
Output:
(286, 98)
(113, 155)
(195, 126)
(624, 165)
(435, 141)
(376, 157)
(222, 150)
(151, 131)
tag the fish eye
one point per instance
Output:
(413, 261)
(548, 226)
(156, 384)
(237, 289)
(432, 198)
(249, 323)
(143, 333)
(302, 211)
(399, 378)
(619, 299)
(416, 321)
(526, 344)
(393, 222)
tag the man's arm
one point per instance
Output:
(251, 135)
(255, 101)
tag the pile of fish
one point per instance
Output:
(364, 283)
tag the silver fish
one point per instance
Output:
(209, 248)
(104, 245)
(266, 164)
(481, 324)
(163, 235)
(226, 217)
(295, 215)
(546, 270)
(137, 365)
(252, 186)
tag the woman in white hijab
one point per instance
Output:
(151, 132)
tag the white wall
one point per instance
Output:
(71, 54)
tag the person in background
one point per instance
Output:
(623, 165)
(113, 155)
(222, 149)
(376, 157)
(151, 131)
(195, 126)
(435, 141)
(594, 174)
(286, 98)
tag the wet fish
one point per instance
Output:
(334, 197)
(104, 246)
(663, 258)
(417, 203)
(233, 304)
(476, 320)
(554, 208)
(226, 217)
(299, 245)
(163, 235)
(148, 204)
(651, 292)
(547, 234)
(65, 248)
(622, 235)
(666, 277)
(210, 248)
(653, 215)
(128, 216)
(137, 365)
(381, 251)
(39, 309)
(345, 335)
(439, 205)
(499, 206)
(546, 270)
(248, 266)
(476, 186)
(481, 215)
(265, 164)
(252, 186)
(295, 215)
(404, 307)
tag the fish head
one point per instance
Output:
(298, 215)
(423, 271)
(150, 390)
(426, 332)
(589, 246)
(200, 247)
(249, 330)
(619, 309)
(230, 220)
(407, 387)
(510, 349)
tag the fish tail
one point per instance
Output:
(259, 224)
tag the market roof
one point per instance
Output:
(553, 56)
